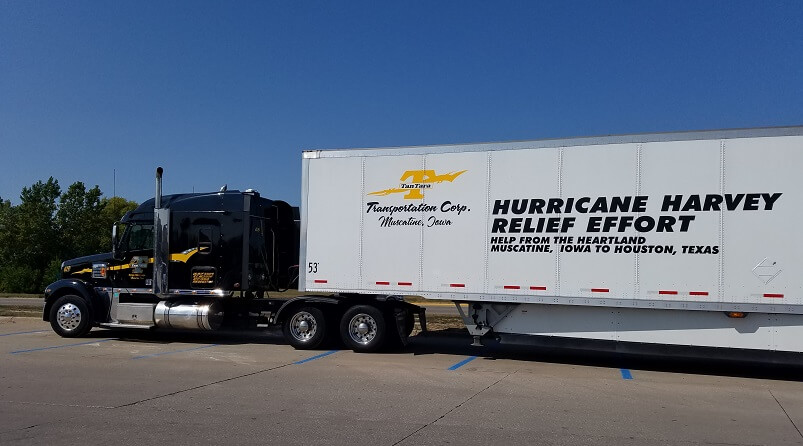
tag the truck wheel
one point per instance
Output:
(305, 328)
(363, 328)
(70, 316)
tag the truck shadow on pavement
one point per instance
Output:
(168, 336)
(457, 342)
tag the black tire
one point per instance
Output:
(70, 316)
(363, 329)
(305, 328)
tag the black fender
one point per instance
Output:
(98, 305)
(301, 300)
(385, 302)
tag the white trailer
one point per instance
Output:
(674, 239)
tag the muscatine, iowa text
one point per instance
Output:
(387, 221)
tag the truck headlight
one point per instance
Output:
(99, 270)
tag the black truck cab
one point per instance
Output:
(211, 247)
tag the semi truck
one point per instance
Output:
(204, 261)
(663, 240)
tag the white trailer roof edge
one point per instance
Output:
(695, 135)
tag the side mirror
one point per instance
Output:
(115, 241)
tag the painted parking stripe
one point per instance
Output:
(462, 363)
(626, 374)
(23, 332)
(174, 351)
(61, 346)
(312, 358)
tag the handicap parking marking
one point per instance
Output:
(626, 374)
(462, 363)
(312, 358)
(175, 351)
(23, 332)
(61, 346)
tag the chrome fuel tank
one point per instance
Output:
(192, 315)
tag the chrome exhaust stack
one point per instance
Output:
(161, 242)
(158, 197)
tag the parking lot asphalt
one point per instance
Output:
(135, 387)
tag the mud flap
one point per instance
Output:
(405, 320)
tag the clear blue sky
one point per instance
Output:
(231, 92)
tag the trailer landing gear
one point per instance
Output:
(480, 318)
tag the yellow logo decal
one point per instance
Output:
(418, 181)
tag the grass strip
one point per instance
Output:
(21, 296)
(20, 312)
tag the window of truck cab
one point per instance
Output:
(138, 236)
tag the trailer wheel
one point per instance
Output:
(305, 328)
(363, 328)
(70, 316)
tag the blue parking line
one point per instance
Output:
(23, 332)
(312, 358)
(175, 351)
(462, 363)
(626, 374)
(60, 346)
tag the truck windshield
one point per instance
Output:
(138, 237)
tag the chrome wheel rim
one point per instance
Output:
(303, 326)
(68, 317)
(362, 328)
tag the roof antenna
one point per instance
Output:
(224, 188)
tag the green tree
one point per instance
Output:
(112, 210)
(48, 227)
(7, 241)
(78, 221)
(85, 220)
(33, 238)
(5, 229)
